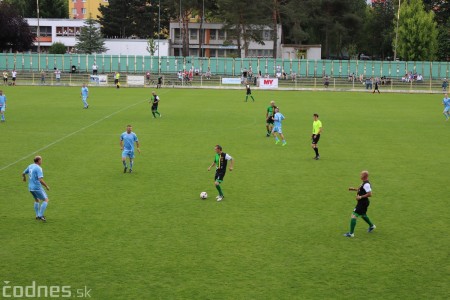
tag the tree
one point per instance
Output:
(90, 39)
(15, 33)
(417, 33)
(57, 48)
(151, 46)
(47, 8)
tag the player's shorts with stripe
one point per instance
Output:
(219, 176)
(447, 108)
(316, 139)
(128, 153)
(361, 207)
(39, 195)
(2, 108)
(277, 129)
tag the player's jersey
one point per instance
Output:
(155, 100)
(5, 75)
(84, 91)
(316, 126)
(446, 102)
(364, 189)
(34, 172)
(277, 118)
(128, 140)
(117, 76)
(270, 111)
(14, 74)
(2, 100)
(221, 161)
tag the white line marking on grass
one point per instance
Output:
(69, 135)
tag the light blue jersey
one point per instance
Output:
(34, 172)
(84, 92)
(2, 100)
(446, 102)
(128, 140)
(277, 118)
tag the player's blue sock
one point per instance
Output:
(284, 141)
(276, 138)
(36, 208)
(124, 163)
(131, 164)
(43, 207)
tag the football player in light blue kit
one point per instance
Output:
(127, 140)
(2, 105)
(277, 118)
(446, 103)
(35, 184)
(85, 95)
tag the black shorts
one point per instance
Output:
(269, 120)
(94, 72)
(316, 139)
(249, 93)
(116, 81)
(361, 207)
(219, 176)
(154, 107)
(5, 79)
(14, 78)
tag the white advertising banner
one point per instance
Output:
(99, 79)
(231, 80)
(268, 83)
(135, 80)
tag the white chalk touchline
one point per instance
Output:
(69, 135)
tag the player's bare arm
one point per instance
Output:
(369, 194)
(121, 145)
(44, 184)
(212, 165)
(137, 147)
(352, 189)
(24, 177)
(231, 164)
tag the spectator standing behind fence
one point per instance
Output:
(58, 75)
(444, 85)
(5, 77)
(94, 69)
(326, 82)
(14, 76)
(42, 77)
(116, 79)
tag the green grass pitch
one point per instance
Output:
(278, 232)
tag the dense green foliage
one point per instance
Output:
(15, 34)
(57, 48)
(278, 232)
(90, 39)
(47, 8)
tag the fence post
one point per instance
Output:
(334, 83)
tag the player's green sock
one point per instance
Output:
(352, 225)
(153, 113)
(219, 189)
(253, 98)
(246, 98)
(366, 218)
(157, 112)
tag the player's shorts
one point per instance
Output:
(447, 108)
(361, 207)
(269, 121)
(219, 176)
(116, 81)
(39, 195)
(277, 129)
(2, 108)
(5, 79)
(154, 107)
(316, 139)
(128, 153)
(249, 92)
(14, 78)
(84, 98)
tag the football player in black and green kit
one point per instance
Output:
(220, 161)
(362, 203)
(249, 93)
(269, 117)
(155, 102)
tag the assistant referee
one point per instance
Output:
(317, 130)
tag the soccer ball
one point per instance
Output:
(203, 195)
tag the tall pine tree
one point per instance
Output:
(90, 39)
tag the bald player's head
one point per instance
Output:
(364, 175)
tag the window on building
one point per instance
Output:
(213, 34)
(83, 11)
(267, 35)
(177, 33)
(222, 34)
(74, 12)
(84, 0)
(74, 0)
(220, 53)
(193, 34)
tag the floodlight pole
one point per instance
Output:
(159, 31)
(38, 36)
(396, 32)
